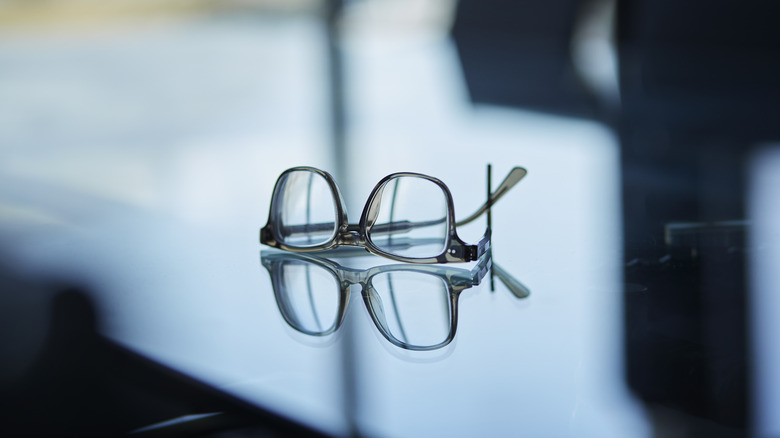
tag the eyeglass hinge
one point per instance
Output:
(265, 235)
(470, 253)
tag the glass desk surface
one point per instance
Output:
(163, 231)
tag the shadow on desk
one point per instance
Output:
(60, 377)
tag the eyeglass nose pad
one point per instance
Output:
(375, 306)
(374, 205)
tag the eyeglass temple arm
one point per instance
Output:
(518, 289)
(388, 228)
(514, 176)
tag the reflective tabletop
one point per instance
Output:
(116, 177)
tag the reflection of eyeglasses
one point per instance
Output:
(413, 306)
(409, 217)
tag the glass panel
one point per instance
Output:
(411, 218)
(306, 214)
(412, 307)
(309, 297)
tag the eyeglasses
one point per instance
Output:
(414, 307)
(409, 217)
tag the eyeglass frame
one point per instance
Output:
(456, 280)
(346, 234)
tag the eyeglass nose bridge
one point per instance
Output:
(350, 235)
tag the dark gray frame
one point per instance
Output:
(346, 234)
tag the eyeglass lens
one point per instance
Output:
(307, 211)
(411, 218)
(310, 297)
(412, 307)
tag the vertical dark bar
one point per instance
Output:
(337, 109)
(490, 219)
(308, 208)
(338, 144)
(685, 143)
